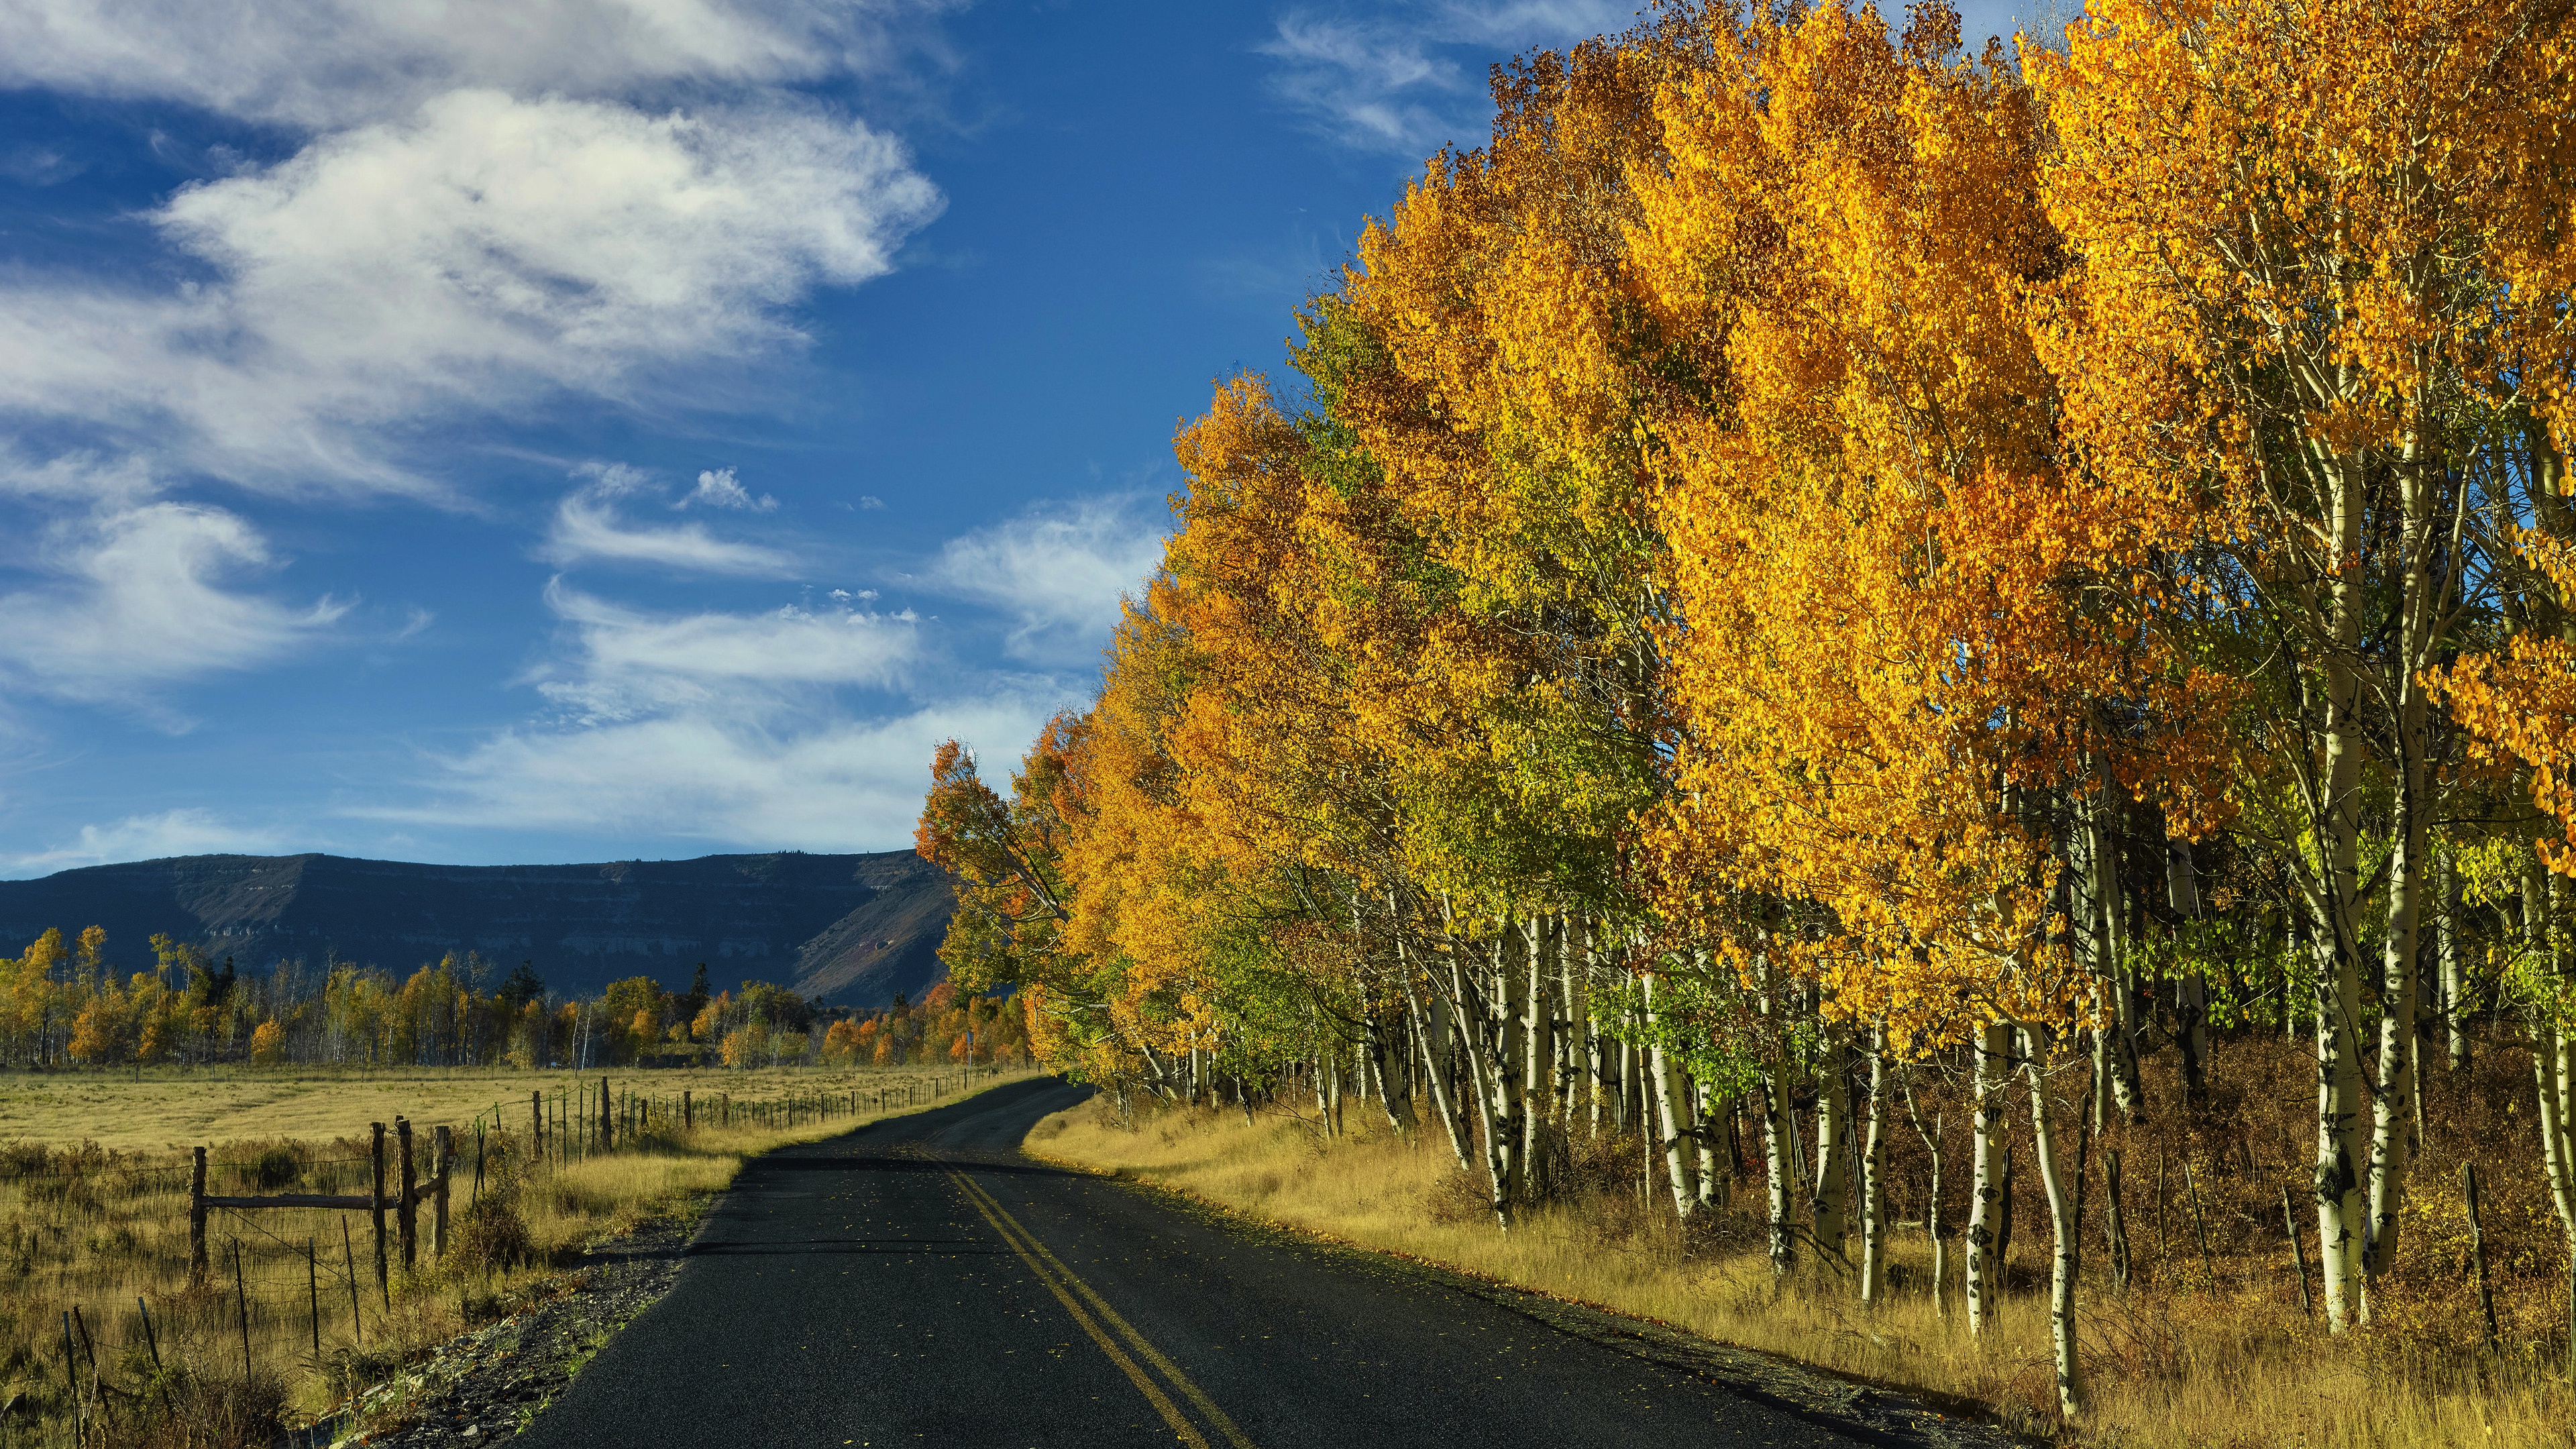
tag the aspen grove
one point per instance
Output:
(1816, 563)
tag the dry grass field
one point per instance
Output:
(2189, 1364)
(172, 1107)
(94, 1226)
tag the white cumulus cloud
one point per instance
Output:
(718, 488)
(482, 256)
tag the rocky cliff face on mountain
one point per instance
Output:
(850, 929)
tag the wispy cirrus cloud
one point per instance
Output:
(326, 63)
(1409, 78)
(797, 727)
(130, 599)
(185, 831)
(589, 528)
(1058, 572)
(623, 663)
(803, 725)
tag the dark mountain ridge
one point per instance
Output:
(851, 930)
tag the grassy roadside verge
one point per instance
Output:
(291, 1322)
(2189, 1371)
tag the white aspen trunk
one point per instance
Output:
(2191, 990)
(1873, 1222)
(1443, 1092)
(1471, 1036)
(1775, 1163)
(2111, 956)
(1593, 1064)
(1538, 1056)
(1511, 1010)
(1703, 1112)
(2393, 1114)
(1932, 1223)
(1833, 1121)
(1986, 1128)
(2455, 1017)
(1668, 1110)
(2333, 808)
(1570, 1026)
(2063, 1260)
(2553, 1064)
(1632, 1089)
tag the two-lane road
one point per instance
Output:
(919, 1282)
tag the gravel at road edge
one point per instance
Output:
(484, 1386)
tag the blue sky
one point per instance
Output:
(490, 431)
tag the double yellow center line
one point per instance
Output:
(1091, 1311)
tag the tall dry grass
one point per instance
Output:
(2177, 1360)
(103, 1231)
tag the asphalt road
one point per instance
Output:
(919, 1282)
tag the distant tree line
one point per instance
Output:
(63, 1003)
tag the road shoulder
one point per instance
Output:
(1871, 1413)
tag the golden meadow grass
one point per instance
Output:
(2171, 1366)
(93, 1218)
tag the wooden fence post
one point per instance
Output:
(2478, 1248)
(537, 1116)
(71, 1376)
(2298, 1252)
(313, 1293)
(445, 1138)
(241, 1309)
(607, 1119)
(2199, 1226)
(152, 1341)
(197, 1219)
(407, 1207)
(349, 1265)
(688, 1111)
(384, 1283)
